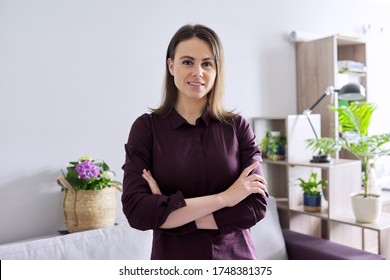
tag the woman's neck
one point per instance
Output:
(191, 110)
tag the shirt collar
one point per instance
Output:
(177, 120)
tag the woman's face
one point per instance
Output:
(193, 68)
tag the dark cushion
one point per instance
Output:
(305, 247)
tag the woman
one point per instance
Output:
(192, 171)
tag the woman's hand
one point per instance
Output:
(244, 186)
(152, 183)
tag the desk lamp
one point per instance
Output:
(349, 92)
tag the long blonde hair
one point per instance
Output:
(215, 96)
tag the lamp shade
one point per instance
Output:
(352, 92)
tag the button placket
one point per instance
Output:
(199, 151)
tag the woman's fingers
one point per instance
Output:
(257, 177)
(259, 180)
(259, 186)
(152, 183)
(244, 186)
(249, 169)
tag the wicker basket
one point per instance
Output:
(89, 209)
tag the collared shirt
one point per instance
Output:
(191, 161)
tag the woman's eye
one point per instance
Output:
(208, 64)
(187, 62)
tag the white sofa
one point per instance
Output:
(122, 242)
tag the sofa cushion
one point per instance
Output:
(118, 243)
(267, 235)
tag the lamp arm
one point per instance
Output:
(329, 90)
(312, 127)
(317, 102)
(307, 112)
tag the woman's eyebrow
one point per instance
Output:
(187, 57)
(190, 57)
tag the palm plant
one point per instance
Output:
(355, 118)
(354, 122)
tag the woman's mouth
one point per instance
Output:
(196, 84)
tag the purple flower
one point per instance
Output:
(87, 169)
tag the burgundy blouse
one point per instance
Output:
(191, 161)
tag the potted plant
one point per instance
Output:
(90, 199)
(273, 145)
(354, 121)
(312, 189)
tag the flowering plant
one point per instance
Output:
(88, 174)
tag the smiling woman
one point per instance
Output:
(193, 170)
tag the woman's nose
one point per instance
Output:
(198, 71)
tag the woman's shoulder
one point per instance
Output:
(143, 119)
(147, 119)
(142, 123)
(239, 120)
(242, 125)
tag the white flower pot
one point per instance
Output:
(366, 209)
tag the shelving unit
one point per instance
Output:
(335, 221)
(317, 69)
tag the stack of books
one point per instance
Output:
(351, 66)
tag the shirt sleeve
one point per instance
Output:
(252, 209)
(143, 209)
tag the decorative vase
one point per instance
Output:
(366, 209)
(312, 202)
(373, 187)
(88, 209)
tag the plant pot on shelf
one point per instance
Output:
(366, 209)
(367, 206)
(278, 155)
(88, 209)
(312, 202)
(312, 192)
(273, 145)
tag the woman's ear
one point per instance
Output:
(170, 65)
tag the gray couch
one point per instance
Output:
(124, 243)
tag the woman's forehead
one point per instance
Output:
(195, 48)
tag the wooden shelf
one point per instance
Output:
(282, 203)
(323, 214)
(278, 162)
(332, 164)
(383, 222)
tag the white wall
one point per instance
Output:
(75, 74)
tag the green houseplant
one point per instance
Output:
(367, 205)
(312, 189)
(89, 174)
(90, 198)
(354, 122)
(273, 145)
